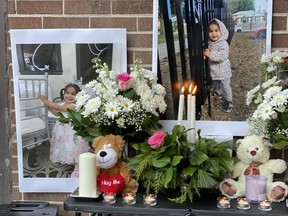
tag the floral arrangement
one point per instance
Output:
(127, 104)
(169, 162)
(270, 117)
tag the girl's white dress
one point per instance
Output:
(65, 146)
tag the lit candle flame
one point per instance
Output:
(190, 88)
(182, 90)
(194, 90)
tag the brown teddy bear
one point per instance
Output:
(113, 173)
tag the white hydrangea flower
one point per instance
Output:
(92, 106)
(159, 89)
(81, 99)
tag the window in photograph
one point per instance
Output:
(37, 59)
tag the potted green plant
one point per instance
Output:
(169, 162)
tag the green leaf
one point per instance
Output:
(280, 145)
(176, 160)
(189, 171)
(142, 147)
(279, 137)
(168, 177)
(227, 163)
(214, 166)
(161, 162)
(198, 157)
(205, 179)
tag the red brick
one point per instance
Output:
(280, 40)
(145, 24)
(132, 6)
(280, 6)
(65, 22)
(279, 23)
(104, 22)
(39, 7)
(145, 56)
(11, 7)
(14, 149)
(15, 180)
(24, 23)
(14, 163)
(87, 7)
(139, 40)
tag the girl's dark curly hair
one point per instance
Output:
(62, 91)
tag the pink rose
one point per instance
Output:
(124, 81)
(157, 139)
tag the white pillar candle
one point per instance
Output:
(181, 107)
(87, 175)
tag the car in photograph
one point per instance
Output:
(259, 33)
(238, 28)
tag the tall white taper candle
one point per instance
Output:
(181, 107)
(192, 123)
(193, 115)
(87, 175)
(189, 112)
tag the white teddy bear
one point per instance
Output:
(253, 153)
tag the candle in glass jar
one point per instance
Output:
(150, 199)
(109, 197)
(264, 205)
(242, 203)
(223, 202)
(129, 198)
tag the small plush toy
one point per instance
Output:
(113, 174)
(253, 153)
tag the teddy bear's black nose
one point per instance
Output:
(103, 154)
(253, 153)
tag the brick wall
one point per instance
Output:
(134, 15)
(280, 25)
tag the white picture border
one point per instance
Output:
(51, 36)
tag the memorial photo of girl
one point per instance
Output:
(65, 145)
(220, 67)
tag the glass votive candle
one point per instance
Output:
(265, 205)
(129, 198)
(223, 202)
(150, 199)
(109, 198)
(243, 203)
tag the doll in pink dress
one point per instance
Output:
(65, 145)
